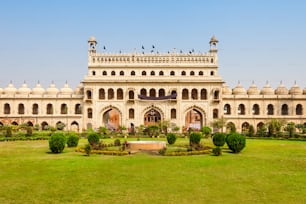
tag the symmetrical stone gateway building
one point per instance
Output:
(136, 89)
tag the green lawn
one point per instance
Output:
(266, 171)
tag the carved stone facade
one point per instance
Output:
(136, 89)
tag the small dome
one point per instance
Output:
(267, 90)
(226, 90)
(213, 39)
(24, 89)
(239, 90)
(66, 89)
(38, 89)
(10, 89)
(92, 39)
(281, 90)
(253, 90)
(304, 91)
(52, 89)
(295, 90)
(79, 89)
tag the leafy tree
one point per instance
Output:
(164, 125)
(206, 131)
(219, 123)
(153, 130)
(231, 128)
(251, 131)
(275, 126)
(290, 128)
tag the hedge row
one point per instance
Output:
(104, 152)
(187, 153)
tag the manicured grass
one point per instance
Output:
(266, 171)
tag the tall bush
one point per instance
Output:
(219, 139)
(93, 138)
(235, 142)
(195, 138)
(57, 142)
(72, 139)
(171, 138)
(206, 131)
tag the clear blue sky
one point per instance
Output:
(259, 40)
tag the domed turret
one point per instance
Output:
(66, 89)
(253, 90)
(281, 89)
(38, 89)
(304, 91)
(226, 90)
(24, 89)
(52, 89)
(267, 90)
(295, 90)
(10, 89)
(79, 89)
(239, 90)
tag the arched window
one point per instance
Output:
(131, 113)
(270, 109)
(284, 109)
(194, 94)
(172, 73)
(77, 109)
(227, 109)
(21, 108)
(44, 125)
(241, 109)
(255, 109)
(161, 92)
(245, 127)
(192, 73)
(173, 113)
(173, 92)
(131, 94)
(144, 73)
(35, 109)
(212, 73)
(101, 94)
(93, 73)
(212, 60)
(185, 94)
(161, 73)
(299, 109)
(113, 73)
(143, 92)
(7, 108)
(119, 94)
(152, 73)
(133, 73)
(110, 93)
(104, 73)
(203, 94)
(201, 73)
(49, 109)
(216, 94)
(215, 113)
(183, 73)
(152, 93)
(64, 108)
(88, 94)
(121, 73)
(89, 113)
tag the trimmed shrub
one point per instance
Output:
(87, 149)
(171, 138)
(219, 139)
(206, 131)
(93, 138)
(117, 142)
(57, 142)
(195, 138)
(217, 151)
(235, 142)
(72, 139)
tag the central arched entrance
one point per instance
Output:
(193, 119)
(111, 119)
(152, 117)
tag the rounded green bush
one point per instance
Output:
(171, 138)
(57, 142)
(72, 139)
(217, 151)
(219, 139)
(195, 138)
(235, 142)
(117, 142)
(93, 138)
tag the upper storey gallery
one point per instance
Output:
(161, 64)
